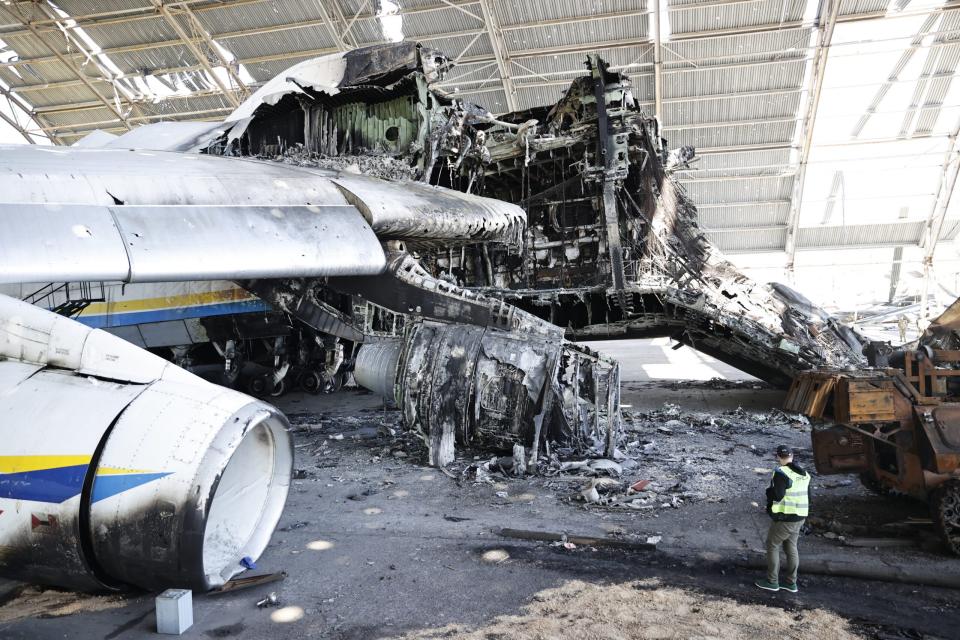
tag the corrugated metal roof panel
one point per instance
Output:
(67, 95)
(947, 61)
(743, 216)
(493, 99)
(736, 191)
(514, 13)
(747, 241)
(577, 33)
(570, 65)
(732, 134)
(743, 14)
(227, 17)
(783, 44)
(457, 46)
(528, 98)
(712, 81)
(900, 233)
(255, 46)
(754, 162)
(863, 6)
(731, 107)
(153, 29)
(82, 7)
(446, 19)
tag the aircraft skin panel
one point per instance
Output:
(46, 243)
(125, 309)
(120, 177)
(114, 462)
(42, 476)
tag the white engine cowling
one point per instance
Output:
(118, 468)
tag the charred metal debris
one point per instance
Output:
(465, 329)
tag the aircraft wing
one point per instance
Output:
(170, 243)
(143, 216)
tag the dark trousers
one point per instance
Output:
(783, 534)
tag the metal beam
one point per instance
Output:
(106, 75)
(16, 125)
(331, 28)
(817, 73)
(69, 64)
(91, 105)
(499, 46)
(15, 101)
(201, 58)
(898, 68)
(227, 64)
(657, 62)
(347, 26)
(83, 128)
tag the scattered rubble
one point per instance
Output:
(379, 166)
(663, 459)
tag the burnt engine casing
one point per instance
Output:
(488, 388)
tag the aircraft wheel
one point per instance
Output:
(333, 384)
(258, 385)
(311, 382)
(945, 508)
(279, 389)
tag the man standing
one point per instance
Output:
(788, 502)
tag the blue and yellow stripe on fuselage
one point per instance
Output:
(144, 304)
(57, 478)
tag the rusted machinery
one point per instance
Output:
(897, 426)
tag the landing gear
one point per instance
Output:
(258, 385)
(333, 383)
(311, 382)
(279, 389)
(263, 385)
(315, 382)
(945, 509)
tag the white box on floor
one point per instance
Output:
(174, 611)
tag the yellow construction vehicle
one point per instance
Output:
(896, 424)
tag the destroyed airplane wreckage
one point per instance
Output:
(431, 287)
(611, 247)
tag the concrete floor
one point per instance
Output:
(374, 543)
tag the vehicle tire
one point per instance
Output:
(311, 382)
(945, 510)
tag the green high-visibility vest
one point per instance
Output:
(795, 501)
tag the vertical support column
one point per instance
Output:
(605, 159)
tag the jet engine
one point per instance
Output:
(118, 468)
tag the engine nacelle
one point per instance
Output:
(107, 481)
